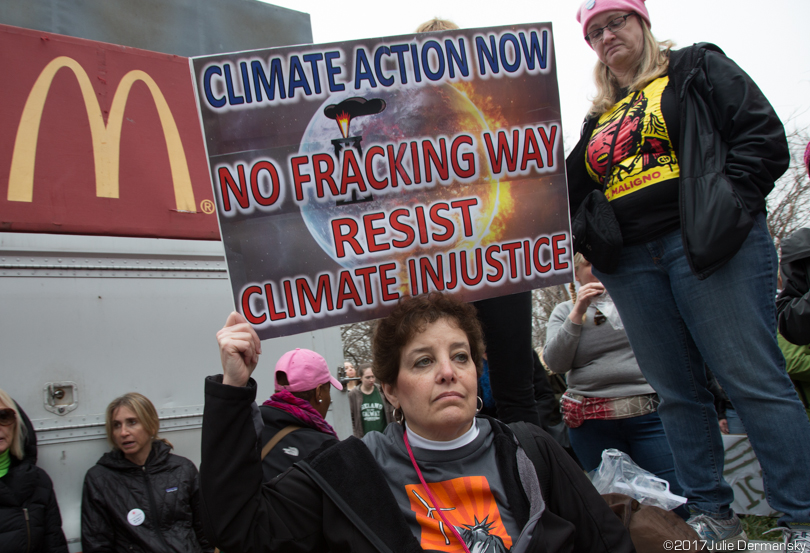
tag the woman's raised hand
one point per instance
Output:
(585, 295)
(239, 350)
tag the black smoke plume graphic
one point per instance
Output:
(343, 113)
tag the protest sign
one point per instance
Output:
(744, 475)
(348, 175)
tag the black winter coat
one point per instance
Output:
(732, 148)
(340, 501)
(29, 515)
(165, 490)
(293, 447)
(793, 303)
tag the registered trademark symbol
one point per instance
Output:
(207, 206)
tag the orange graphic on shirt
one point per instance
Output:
(468, 504)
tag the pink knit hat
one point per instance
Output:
(305, 370)
(591, 8)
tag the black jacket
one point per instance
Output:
(29, 515)
(732, 148)
(165, 489)
(340, 501)
(793, 302)
(293, 447)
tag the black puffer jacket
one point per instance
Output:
(29, 516)
(793, 303)
(732, 148)
(164, 495)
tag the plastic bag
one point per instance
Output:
(618, 473)
(604, 303)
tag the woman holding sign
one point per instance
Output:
(443, 479)
(667, 188)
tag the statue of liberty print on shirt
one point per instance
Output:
(468, 504)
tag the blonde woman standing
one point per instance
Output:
(684, 147)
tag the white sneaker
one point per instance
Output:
(795, 540)
(720, 535)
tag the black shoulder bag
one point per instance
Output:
(595, 230)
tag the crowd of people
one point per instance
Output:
(686, 267)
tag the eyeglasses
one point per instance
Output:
(614, 25)
(599, 318)
(7, 417)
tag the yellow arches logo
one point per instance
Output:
(106, 139)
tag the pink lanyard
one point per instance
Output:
(430, 494)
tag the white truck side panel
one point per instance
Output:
(115, 315)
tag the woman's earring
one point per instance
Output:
(480, 404)
(398, 417)
(320, 401)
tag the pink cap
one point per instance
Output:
(305, 370)
(591, 8)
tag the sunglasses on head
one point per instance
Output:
(7, 417)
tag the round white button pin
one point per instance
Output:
(135, 517)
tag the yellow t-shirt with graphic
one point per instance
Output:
(643, 182)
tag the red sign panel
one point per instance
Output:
(100, 139)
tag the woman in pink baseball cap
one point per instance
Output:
(678, 152)
(294, 416)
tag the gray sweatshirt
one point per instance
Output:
(599, 358)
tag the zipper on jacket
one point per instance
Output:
(27, 528)
(153, 504)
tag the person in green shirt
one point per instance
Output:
(370, 408)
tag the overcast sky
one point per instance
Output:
(770, 40)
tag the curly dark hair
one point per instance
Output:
(410, 317)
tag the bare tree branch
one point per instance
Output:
(357, 342)
(544, 301)
(789, 202)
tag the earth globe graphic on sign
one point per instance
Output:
(409, 114)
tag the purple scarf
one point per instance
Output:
(300, 409)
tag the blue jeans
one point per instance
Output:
(674, 322)
(642, 438)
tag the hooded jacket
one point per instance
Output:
(732, 148)
(793, 302)
(29, 515)
(339, 501)
(153, 508)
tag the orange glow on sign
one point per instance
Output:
(343, 123)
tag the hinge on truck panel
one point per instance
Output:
(61, 397)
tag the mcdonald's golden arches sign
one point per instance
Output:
(99, 139)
